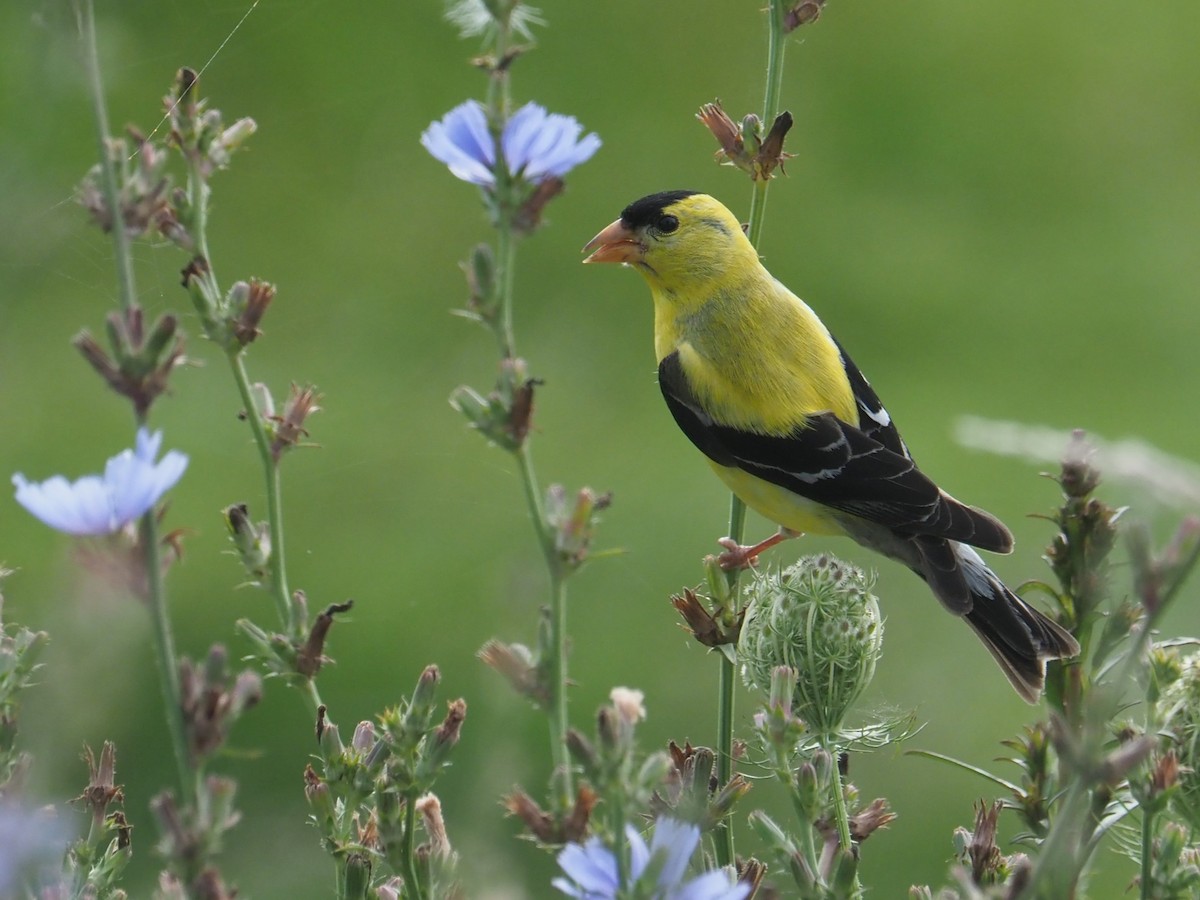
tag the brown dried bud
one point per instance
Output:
(770, 154)
(516, 664)
(1165, 774)
(141, 363)
(982, 850)
(529, 216)
(727, 133)
(249, 302)
(703, 625)
(196, 270)
(804, 13)
(310, 657)
(575, 825)
(448, 732)
(543, 826)
(102, 789)
(430, 809)
(537, 822)
(289, 428)
(751, 871)
(520, 413)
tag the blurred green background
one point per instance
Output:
(995, 208)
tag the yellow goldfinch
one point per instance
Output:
(788, 422)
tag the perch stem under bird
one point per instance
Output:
(755, 380)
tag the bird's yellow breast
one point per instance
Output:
(755, 355)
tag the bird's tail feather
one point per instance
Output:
(1020, 638)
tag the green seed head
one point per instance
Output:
(817, 616)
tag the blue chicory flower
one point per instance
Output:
(591, 868)
(28, 841)
(536, 144)
(103, 504)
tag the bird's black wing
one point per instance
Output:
(834, 464)
(873, 420)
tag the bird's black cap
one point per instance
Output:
(648, 209)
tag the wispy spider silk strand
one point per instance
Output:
(727, 676)
(164, 642)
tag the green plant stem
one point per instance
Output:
(556, 665)
(620, 845)
(156, 594)
(506, 257)
(726, 680)
(776, 42)
(415, 888)
(506, 251)
(559, 717)
(262, 441)
(1066, 849)
(723, 836)
(506, 244)
(86, 16)
(808, 847)
(164, 653)
(1147, 866)
(839, 804)
(339, 880)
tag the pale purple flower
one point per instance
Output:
(536, 144)
(591, 868)
(103, 504)
(29, 841)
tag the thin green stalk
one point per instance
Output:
(506, 257)
(497, 97)
(808, 847)
(776, 43)
(727, 678)
(409, 852)
(839, 805)
(723, 836)
(557, 664)
(1147, 851)
(339, 880)
(506, 245)
(617, 823)
(1056, 868)
(164, 652)
(262, 441)
(86, 16)
(164, 642)
(559, 718)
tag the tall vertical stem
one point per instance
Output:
(164, 652)
(86, 16)
(737, 509)
(156, 592)
(556, 671)
(262, 441)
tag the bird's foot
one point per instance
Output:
(737, 556)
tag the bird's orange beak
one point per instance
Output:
(615, 244)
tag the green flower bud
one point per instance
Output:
(1178, 709)
(818, 617)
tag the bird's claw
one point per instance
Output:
(735, 556)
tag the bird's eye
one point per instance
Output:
(667, 224)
